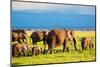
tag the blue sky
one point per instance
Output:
(42, 15)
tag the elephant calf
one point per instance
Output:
(18, 49)
(86, 42)
(36, 50)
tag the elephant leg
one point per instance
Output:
(51, 46)
(39, 52)
(74, 40)
(64, 45)
(20, 41)
(67, 49)
(50, 50)
(23, 40)
(44, 42)
(14, 51)
(85, 48)
(24, 53)
(44, 51)
(92, 46)
(19, 54)
(33, 42)
(82, 45)
(33, 51)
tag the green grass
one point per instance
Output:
(58, 56)
(75, 56)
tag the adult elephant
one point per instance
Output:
(38, 36)
(57, 37)
(19, 35)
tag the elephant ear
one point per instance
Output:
(45, 33)
(67, 33)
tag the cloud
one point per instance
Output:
(61, 9)
(30, 6)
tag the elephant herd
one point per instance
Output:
(52, 38)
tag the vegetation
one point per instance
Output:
(58, 56)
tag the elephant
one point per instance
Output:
(19, 35)
(18, 49)
(38, 36)
(57, 37)
(36, 50)
(86, 42)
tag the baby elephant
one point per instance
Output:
(86, 42)
(36, 50)
(18, 49)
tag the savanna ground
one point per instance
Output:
(58, 56)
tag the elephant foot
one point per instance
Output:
(75, 49)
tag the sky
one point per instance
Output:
(48, 16)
